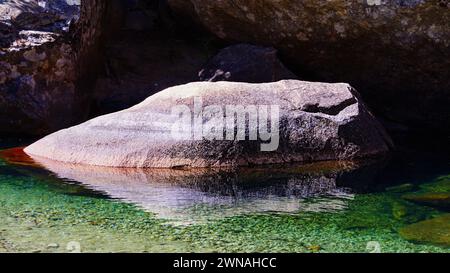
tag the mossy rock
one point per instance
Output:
(439, 200)
(435, 231)
(441, 184)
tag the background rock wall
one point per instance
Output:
(37, 66)
(395, 52)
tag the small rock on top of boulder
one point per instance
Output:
(246, 63)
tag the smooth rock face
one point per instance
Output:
(318, 121)
(395, 52)
(246, 63)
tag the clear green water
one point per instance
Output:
(312, 210)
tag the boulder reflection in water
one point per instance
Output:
(196, 195)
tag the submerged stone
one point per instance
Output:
(441, 184)
(399, 210)
(435, 231)
(440, 200)
(308, 122)
(401, 188)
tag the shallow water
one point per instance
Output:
(327, 207)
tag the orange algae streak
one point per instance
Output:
(17, 156)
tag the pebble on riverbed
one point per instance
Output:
(52, 245)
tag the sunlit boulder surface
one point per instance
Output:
(315, 122)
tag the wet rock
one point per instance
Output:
(395, 52)
(440, 200)
(317, 121)
(435, 231)
(246, 63)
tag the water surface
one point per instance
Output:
(46, 206)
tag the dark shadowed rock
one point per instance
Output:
(7, 34)
(317, 121)
(395, 52)
(138, 67)
(37, 67)
(37, 84)
(246, 63)
(143, 55)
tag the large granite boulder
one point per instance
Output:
(305, 122)
(395, 52)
